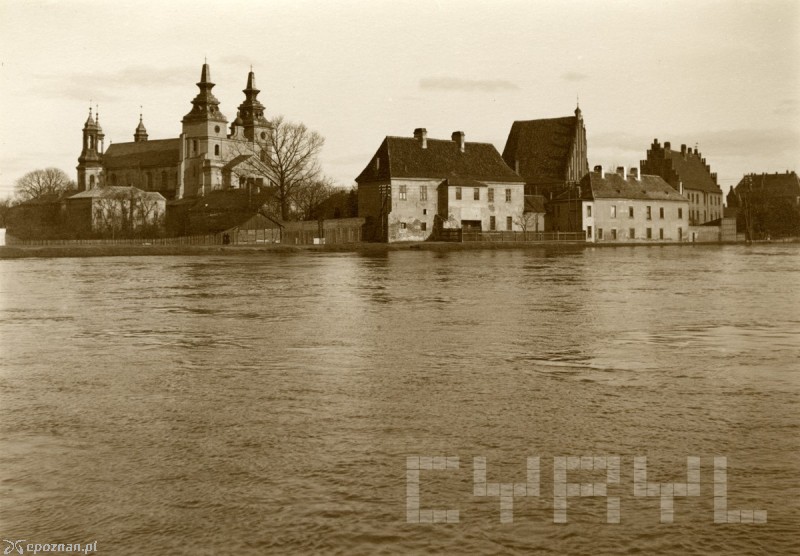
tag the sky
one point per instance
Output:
(722, 75)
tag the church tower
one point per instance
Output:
(251, 112)
(90, 161)
(203, 137)
(141, 133)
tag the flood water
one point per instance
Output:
(267, 404)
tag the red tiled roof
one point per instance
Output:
(692, 171)
(614, 186)
(404, 157)
(542, 148)
(144, 154)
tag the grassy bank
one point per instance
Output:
(54, 251)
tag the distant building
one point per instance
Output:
(687, 172)
(549, 154)
(115, 211)
(204, 158)
(615, 207)
(767, 205)
(415, 185)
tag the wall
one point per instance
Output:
(374, 208)
(704, 234)
(675, 228)
(412, 218)
(467, 208)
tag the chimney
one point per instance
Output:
(516, 165)
(634, 172)
(683, 150)
(458, 137)
(599, 169)
(421, 135)
(621, 171)
(667, 145)
(680, 187)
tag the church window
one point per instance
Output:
(216, 129)
(163, 178)
(194, 146)
(91, 182)
(113, 179)
(216, 150)
(149, 180)
(263, 135)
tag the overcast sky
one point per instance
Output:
(723, 74)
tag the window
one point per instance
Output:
(113, 179)
(613, 211)
(588, 232)
(194, 146)
(509, 223)
(680, 213)
(649, 233)
(91, 182)
(403, 192)
(458, 193)
(476, 194)
(613, 233)
(661, 233)
(403, 225)
(423, 226)
(599, 233)
(163, 178)
(649, 213)
(632, 233)
(661, 212)
(508, 195)
(492, 223)
(588, 211)
(216, 150)
(680, 234)
(149, 180)
(491, 195)
(630, 212)
(424, 211)
(423, 193)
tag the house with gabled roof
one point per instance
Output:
(415, 186)
(767, 205)
(687, 171)
(622, 207)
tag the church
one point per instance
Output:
(207, 156)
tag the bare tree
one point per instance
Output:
(528, 221)
(40, 183)
(309, 196)
(292, 156)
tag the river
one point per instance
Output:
(268, 404)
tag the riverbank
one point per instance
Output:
(63, 251)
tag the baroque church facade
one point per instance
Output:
(208, 155)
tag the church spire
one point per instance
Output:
(251, 111)
(205, 105)
(141, 132)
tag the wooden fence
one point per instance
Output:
(496, 237)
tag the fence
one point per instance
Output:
(496, 237)
(210, 239)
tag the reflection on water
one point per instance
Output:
(239, 405)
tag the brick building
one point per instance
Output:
(687, 172)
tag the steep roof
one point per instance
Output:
(112, 191)
(692, 170)
(160, 152)
(775, 185)
(542, 148)
(404, 157)
(614, 186)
